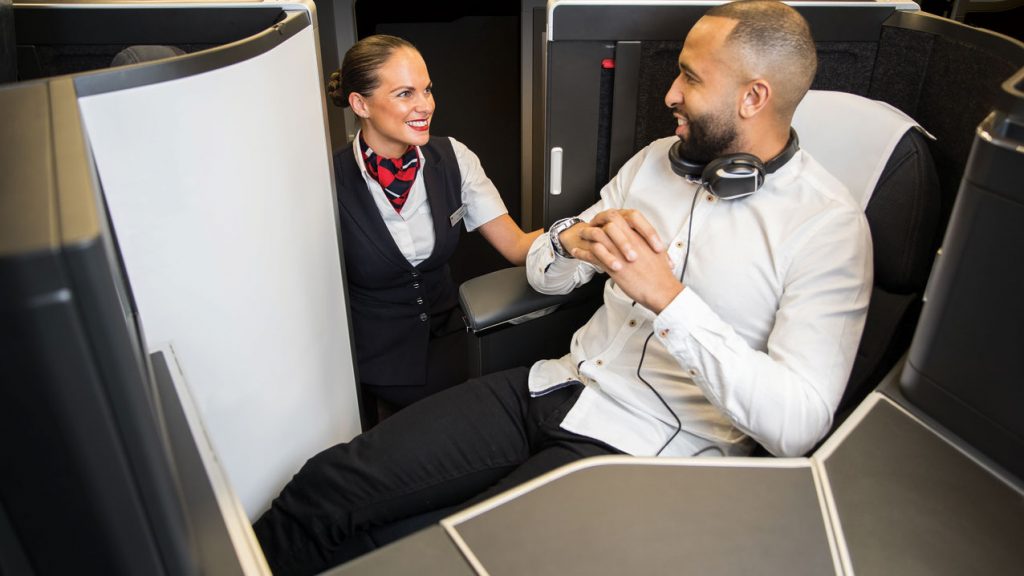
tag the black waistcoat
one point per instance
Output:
(391, 301)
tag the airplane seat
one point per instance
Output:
(877, 151)
(882, 156)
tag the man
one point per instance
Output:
(749, 333)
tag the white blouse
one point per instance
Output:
(413, 227)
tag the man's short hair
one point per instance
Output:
(776, 44)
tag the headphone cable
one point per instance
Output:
(643, 353)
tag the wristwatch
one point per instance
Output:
(557, 228)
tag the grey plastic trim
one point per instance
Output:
(104, 81)
(529, 29)
(1012, 98)
(25, 223)
(8, 50)
(618, 19)
(1009, 48)
(49, 183)
(227, 544)
(624, 103)
(987, 131)
(890, 390)
(136, 23)
(574, 79)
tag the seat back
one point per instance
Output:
(882, 157)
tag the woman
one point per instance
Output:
(403, 198)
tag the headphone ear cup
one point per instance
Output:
(734, 175)
(681, 166)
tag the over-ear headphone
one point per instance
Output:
(733, 175)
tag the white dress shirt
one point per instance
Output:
(761, 341)
(413, 227)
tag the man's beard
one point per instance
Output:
(710, 136)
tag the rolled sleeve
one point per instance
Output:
(550, 273)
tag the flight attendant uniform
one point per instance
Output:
(407, 326)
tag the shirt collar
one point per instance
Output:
(362, 165)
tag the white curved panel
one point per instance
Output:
(219, 188)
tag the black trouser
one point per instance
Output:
(455, 448)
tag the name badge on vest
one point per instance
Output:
(456, 216)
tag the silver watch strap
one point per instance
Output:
(556, 229)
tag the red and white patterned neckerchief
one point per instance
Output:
(395, 175)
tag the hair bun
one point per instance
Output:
(334, 91)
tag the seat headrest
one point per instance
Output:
(144, 53)
(851, 136)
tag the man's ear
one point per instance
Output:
(755, 97)
(358, 105)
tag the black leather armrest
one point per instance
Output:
(505, 297)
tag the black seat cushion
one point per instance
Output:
(904, 217)
(903, 214)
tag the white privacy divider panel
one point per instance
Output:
(219, 190)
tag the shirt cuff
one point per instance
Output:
(682, 318)
(548, 272)
(549, 260)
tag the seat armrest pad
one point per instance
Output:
(505, 296)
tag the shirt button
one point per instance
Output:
(424, 317)
(599, 362)
(663, 333)
(693, 371)
(419, 300)
(679, 244)
(711, 198)
(632, 323)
